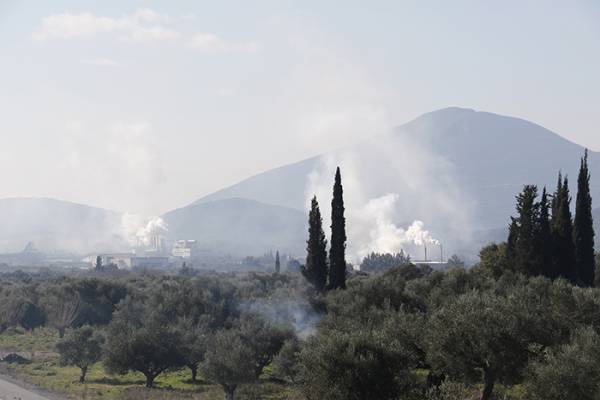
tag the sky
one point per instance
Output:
(146, 106)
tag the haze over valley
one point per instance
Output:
(457, 170)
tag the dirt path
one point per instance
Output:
(10, 391)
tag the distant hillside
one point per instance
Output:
(494, 156)
(239, 227)
(283, 186)
(457, 170)
(55, 225)
(442, 162)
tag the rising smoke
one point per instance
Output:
(393, 189)
(384, 235)
(140, 231)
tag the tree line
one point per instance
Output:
(545, 239)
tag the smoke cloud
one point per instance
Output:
(138, 230)
(393, 189)
(384, 236)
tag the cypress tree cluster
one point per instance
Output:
(317, 269)
(562, 232)
(544, 240)
(337, 254)
(544, 245)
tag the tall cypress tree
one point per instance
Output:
(562, 232)
(524, 244)
(544, 238)
(583, 233)
(511, 242)
(277, 263)
(337, 253)
(556, 200)
(315, 270)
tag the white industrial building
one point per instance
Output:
(184, 248)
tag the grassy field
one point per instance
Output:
(44, 371)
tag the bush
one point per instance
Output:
(569, 371)
(82, 348)
(356, 365)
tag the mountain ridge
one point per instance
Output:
(487, 157)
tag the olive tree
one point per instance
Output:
(568, 371)
(81, 348)
(356, 364)
(194, 342)
(63, 307)
(139, 339)
(229, 361)
(286, 364)
(263, 339)
(489, 335)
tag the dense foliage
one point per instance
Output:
(379, 262)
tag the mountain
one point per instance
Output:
(283, 186)
(456, 169)
(496, 155)
(55, 225)
(239, 227)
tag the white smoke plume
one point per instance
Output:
(384, 236)
(393, 188)
(140, 231)
(419, 236)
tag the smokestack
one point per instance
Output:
(425, 247)
(441, 253)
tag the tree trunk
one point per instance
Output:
(149, 380)
(194, 369)
(489, 379)
(82, 375)
(229, 391)
(61, 332)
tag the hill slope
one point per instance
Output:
(239, 226)
(56, 225)
(456, 169)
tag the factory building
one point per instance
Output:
(128, 260)
(184, 249)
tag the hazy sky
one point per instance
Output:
(145, 106)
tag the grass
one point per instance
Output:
(44, 371)
(41, 340)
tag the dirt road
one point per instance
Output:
(10, 391)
